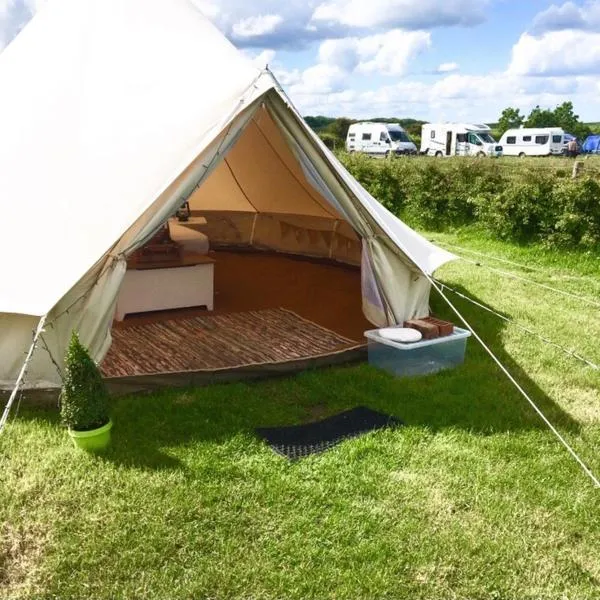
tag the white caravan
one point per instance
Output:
(544, 141)
(460, 139)
(379, 139)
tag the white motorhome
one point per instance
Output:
(379, 139)
(458, 139)
(526, 141)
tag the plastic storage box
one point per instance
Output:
(417, 358)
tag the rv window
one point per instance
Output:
(557, 139)
(351, 135)
(526, 138)
(541, 139)
(473, 139)
(399, 136)
(383, 137)
(461, 137)
(432, 134)
(486, 137)
(366, 136)
(511, 139)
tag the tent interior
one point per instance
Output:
(260, 237)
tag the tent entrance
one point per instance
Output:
(263, 195)
(271, 311)
(275, 280)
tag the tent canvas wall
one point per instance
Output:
(113, 113)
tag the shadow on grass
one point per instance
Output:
(476, 397)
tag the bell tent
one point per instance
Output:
(115, 114)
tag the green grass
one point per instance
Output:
(473, 498)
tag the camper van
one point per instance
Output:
(458, 139)
(379, 139)
(544, 141)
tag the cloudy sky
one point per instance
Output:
(430, 59)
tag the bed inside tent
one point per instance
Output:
(268, 275)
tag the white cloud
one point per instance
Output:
(566, 52)
(34, 5)
(263, 58)
(341, 61)
(320, 79)
(455, 97)
(268, 57)
(14, 15)
(256, 26)
(408, 14)
(306, 21)
(341, 52)
(5, 7)
(290, 24)
(387, 53)
(9, 24)
(390, 53)
(363, 39)
(447, 67)
(568, 16)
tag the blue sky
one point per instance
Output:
(430, 59)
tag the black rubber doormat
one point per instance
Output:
(298, 441)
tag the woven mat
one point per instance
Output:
(215, 342)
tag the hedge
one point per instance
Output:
(520, 200)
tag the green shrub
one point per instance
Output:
(523, 200)
(430, 204)
(329, 140)
(521, 210)
(576, 205)
(379, 177)
(84, 397)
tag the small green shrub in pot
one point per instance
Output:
(84, 399)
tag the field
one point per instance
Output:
(472, 498)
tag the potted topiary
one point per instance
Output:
(84, 399)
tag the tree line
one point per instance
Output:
(562, 116)
(333, 131)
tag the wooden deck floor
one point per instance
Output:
(214, 342)
(269, 310)
(326, 294)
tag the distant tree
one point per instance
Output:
(319, 122)
(413, 129)
(511, 118)
(541, 117)
(562, 116)
(339, 128)
(383, 120)
(569, 121)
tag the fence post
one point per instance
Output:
(577, 168)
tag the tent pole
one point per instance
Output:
(36, 336)
(333, 232)
(253, 228)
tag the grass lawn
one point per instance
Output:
(473, 498)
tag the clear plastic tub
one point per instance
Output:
(417, 358)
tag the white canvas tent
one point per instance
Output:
(114, 112)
